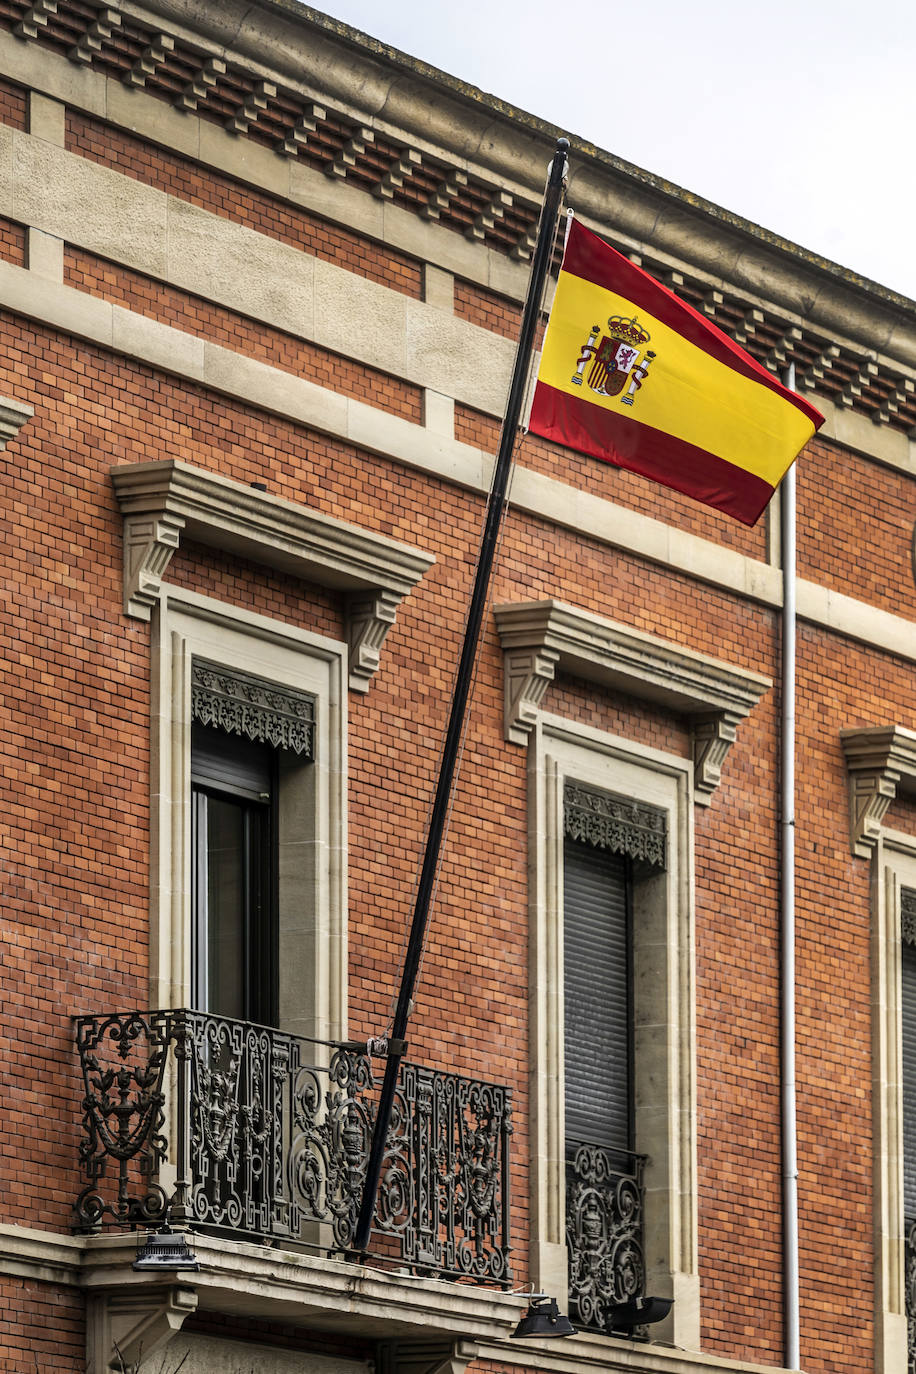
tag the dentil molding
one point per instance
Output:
(540, 636)
(161, 501)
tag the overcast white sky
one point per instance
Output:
(800, 117)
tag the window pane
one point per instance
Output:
(226, 907)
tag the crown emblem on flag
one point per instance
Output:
(628, 330)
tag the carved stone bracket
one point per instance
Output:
(13, 415)
(540, 636)
(425, 1357)
(879, 759)
(123, 1329)
(161, 501)
(528, 674)
(149, 543)
(369, 618)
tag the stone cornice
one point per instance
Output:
(789, 304)
(540, 636)
(332, 1294)
(161, 501)
(879, 760)
(406, 98)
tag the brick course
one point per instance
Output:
(222, 195)
(74, 826)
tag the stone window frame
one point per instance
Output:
(880, 762)
(162, 502)
(312, 847)
(560, 751)
(538, 638)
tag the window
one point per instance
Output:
(233, 830)
(881, 760)
(606, 843)
(613, 1107)
(249, 817)
(242, 725)
(908, 1067)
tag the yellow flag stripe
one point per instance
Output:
(686, 393)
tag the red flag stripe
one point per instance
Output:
(619, 440)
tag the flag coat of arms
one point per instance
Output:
(633, 375)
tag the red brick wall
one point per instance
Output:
(13, 104)
(614, 484)
(479, 306)
(13, 242)
(75, 814)
(222, 195)
(856, 526)
(41, 1328)
(196, 316)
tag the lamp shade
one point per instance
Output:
(543, 1319)
(638, 1312)
(165, 1249)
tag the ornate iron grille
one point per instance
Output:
(909, 1260)
(236, 1127)
(604, 1232)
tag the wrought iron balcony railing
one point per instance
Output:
(238, 1128)
(604, 1232)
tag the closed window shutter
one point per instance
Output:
(230, 764)
(597, 995)
(908, 1000)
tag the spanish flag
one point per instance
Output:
(633, 375)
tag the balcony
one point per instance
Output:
(604, 1233)
(252, 1134)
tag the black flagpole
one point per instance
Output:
(397, 1044)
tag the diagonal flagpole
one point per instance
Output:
(397, 1041)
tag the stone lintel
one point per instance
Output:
(124, 1328)
(425, 1357)
(879, 760)
(162, 501)
(540, 636)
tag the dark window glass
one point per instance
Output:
(234, 829)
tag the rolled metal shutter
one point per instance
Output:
(598, 1039)
(908, 1007)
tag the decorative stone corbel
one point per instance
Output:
(528, 674)
(425, 1357)
(369, 618)
(540, 636)
(149, 542)
(160, 501)
(879, 759)
(123, 1329)
(13, 415)
(712, 736)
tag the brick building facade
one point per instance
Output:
(260, 282)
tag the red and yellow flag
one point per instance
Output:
(633, 375)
